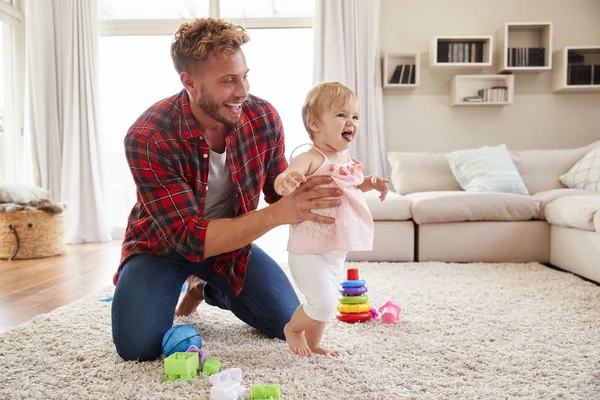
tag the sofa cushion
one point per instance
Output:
(574, 211)
(548, 196)
(585, 174)
(486, 169)
(540, 169)
(458, 206)
(394, 208)
(421, 172)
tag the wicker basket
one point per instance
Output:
(31, 234)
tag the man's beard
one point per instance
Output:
(208, 104)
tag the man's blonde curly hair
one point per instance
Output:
(195, 40)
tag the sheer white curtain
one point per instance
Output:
(61, 111)
(347, 50)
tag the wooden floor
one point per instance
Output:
(32, 287)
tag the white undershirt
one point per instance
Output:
(220, 195)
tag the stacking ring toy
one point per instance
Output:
(356, 283)
(356, 317)
(354, 299)
(353, 291)
(354, 308)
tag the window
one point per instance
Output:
(12, 61)
(267, 8)
(2, 100)
(152, 9)
(130, 84)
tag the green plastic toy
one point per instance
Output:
(211, 366)
(181, 365)
(265, 392)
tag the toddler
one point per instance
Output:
(317, 252)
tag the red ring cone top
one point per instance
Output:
(352, 274)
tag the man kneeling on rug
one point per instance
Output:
(213, 134)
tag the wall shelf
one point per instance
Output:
(463, 52)
(584, 65)
(402, 69)
(469, 85)
(524, 47)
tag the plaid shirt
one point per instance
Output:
(168, 158)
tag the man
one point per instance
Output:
(200, 160)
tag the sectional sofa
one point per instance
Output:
(429, 217)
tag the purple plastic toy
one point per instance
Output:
(202, 354)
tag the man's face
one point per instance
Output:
(222, 87)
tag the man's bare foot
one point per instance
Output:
(324, 351)
(296, 342)
(193, 296)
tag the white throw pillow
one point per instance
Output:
(487, 169)
(585, 174)
(20, 193)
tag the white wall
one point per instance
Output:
(422, 120)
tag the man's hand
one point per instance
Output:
(297, 206)
(381, 185)
(286, 184)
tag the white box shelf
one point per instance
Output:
(524, 39)
(581, 57)
(406, 65)
(468, 85)
(471, 51)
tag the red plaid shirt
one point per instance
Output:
(168, 158)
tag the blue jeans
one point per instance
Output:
(149, 287)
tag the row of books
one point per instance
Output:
(404, 74)
(496, 94)
(526, 56)
(460, 52)
(583, 74)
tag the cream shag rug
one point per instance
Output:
(493, 331)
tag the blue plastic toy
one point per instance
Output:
(179, 338)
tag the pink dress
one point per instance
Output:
(353, 226)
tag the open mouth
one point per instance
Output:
(235, 108)
(347, 135)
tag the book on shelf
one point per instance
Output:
(495, 94)
(473, 99)
(404, 74)
(459, 52)
(579, 74)
(526, 56)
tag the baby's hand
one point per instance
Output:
(290, 182)
(381, 185)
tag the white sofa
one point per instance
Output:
(431, 214)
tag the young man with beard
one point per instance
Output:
(200, 160)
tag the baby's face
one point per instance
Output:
(339, 126)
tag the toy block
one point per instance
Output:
(265, 392)
(230, 374)
(211, 366)
(181, 365)
(226, 390)
(202, 355)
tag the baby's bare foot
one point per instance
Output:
(324, 351)
(193, 296)
(296, 342)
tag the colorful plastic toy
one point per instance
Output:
(181, 365)
(211, 366)
(353, 291)
(226, 385)
(265, 392)
(354, 305)
(202, 355)
(354, 299)
(390, 312)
